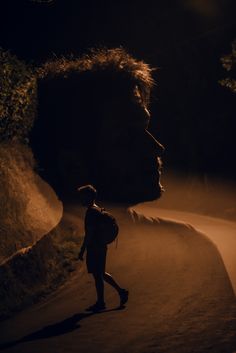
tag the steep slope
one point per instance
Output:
(29, 206)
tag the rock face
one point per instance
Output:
(31, 259)
(38, 247)
(29, 206)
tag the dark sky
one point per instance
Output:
(192, 115)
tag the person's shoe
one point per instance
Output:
(97, 307)
(124, 295)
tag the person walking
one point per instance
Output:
(96, 249)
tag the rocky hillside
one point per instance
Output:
(29, 207)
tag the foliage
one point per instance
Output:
(17, 98)
(229, 64)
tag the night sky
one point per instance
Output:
(192, 115)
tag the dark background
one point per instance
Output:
(192, 115)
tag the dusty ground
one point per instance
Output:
(221, 232)
(181, 297)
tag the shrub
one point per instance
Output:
(17, 98)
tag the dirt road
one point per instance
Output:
(181, 297)
(220, 231)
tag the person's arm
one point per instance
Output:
(86, 241)
(83, 247)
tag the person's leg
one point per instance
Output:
(123, 293)
(99, 284)
(110, 280)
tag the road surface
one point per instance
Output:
(181, 297)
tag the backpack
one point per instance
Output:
(108, 227)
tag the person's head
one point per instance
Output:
(92, 119)
(87, 195)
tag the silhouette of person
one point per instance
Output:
(98, 134)
(96, 249)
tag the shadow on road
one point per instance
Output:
(68, 325)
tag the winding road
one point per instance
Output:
(181, 298)
(221, 232)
